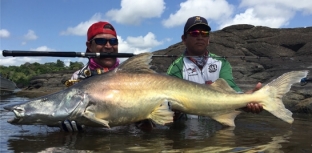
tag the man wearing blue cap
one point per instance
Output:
(201, 66)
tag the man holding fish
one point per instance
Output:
(201, 66)
(102, 37)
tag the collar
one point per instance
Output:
(200, 61)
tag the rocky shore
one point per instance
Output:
(257, 54)
(46, 84)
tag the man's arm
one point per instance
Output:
(175, 69)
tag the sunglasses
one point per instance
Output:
(196, 33)
(103, 41)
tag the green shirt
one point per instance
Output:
(176, 70)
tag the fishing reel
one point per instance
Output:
(69, 83)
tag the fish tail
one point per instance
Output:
(275, 91)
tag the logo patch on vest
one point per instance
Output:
(213, 68)
(191, 71)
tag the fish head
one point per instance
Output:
(46, 110)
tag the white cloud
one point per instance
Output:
(148, 41)
(304, 6)
(30, 35)
(250, 17)
(17, 61)
(4, 33)
(82, 28)
(67, 62)
(134, 11)
(125, 47)
(132, 44)
(210, 9)
(42, 48)
(271, 13)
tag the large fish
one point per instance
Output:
(134, 92)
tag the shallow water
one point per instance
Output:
(253, 133)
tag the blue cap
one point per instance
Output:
(195, 20)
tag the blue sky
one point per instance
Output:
(142, 25)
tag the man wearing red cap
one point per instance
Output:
(101, 38)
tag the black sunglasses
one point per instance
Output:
(103, 41)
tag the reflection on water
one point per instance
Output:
(253, 133)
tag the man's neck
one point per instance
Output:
(190, 53)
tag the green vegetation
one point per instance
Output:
(21, 75)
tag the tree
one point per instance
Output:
(22, 74)
(75, 65)
(60, 64)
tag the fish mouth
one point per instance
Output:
(14, 120)
(18, 112)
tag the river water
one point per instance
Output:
(253, 133)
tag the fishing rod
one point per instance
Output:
(19, 53)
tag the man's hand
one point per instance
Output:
(253, 107)
(71, 126)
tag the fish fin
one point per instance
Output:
(162, 114)
(275, 90)
(222, 86)
(136, 64)
(226, 118)
(91, 116)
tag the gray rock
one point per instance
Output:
(50, 82)
(304, 106)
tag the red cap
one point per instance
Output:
(98, 28)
